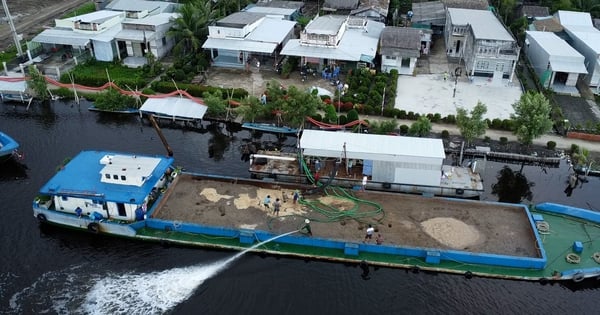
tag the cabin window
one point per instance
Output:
(123, 177)
(405, 62)
(64, 198)
(115, 177)
(107, 176)
(164, 41)
(121, 209)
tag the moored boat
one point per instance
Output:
(145, 198)
(117, 111)
(8, 147)
(389, 163)
(265, 127)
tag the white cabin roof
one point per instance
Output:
(127, 169)
(369, 146)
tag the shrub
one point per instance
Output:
(551, 145)
(410, 116)
(487, 139)
(445, 134)
(503, 140)
(404, 129)
(496, 123)
(402, 114)
(574, 148)
(450, 119)
(507, 124)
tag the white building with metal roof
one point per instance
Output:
(557, 64)
(244, 37)
(585, 38)
(334, 39)
(387, 159)
(175, 108)
(482, 42)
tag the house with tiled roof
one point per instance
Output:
(400, 47)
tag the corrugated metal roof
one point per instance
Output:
(270, 10)
(154, 20)
(327, 25)
(140, 5)
(484, 23)
(271, 31)
(61, 36)
(354, 44)
(368, 146)
(239, 44)
(95, 17)
(134, 35)
(240, 19)
(561, 65)
(19, 86)
(568, 18)
(177, 107)
(554, 45)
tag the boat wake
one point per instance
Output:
(80, 292)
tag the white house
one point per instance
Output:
(400, 47)
(482, 42)
(557, 64)
(336, 40)
(585, 38)
(125, 28)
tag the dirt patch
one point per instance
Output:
(451, 232)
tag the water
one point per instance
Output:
(56, 271)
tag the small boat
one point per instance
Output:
(143, 197)
(8, 147)
(272, 128)
(119, 111)
(16, 97)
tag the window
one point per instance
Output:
(405, 62)
(64, 198)
(115, 177)
(121, 209)
(164, 41)
(390, 57)
(123, 177)
(107, 176)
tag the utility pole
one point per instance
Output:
(13, 29)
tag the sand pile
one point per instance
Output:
(451, 232)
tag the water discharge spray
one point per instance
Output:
(157, 292)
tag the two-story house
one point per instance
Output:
(478, 40)
(242, 38)
(337, 40)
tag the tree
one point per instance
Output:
(421, 127)
(215, 103)
(532, 117)
(330, 114)
(38, 83)
(190, 29)
(250, 108)
(298, 105)
(384, 127)
(472, 126)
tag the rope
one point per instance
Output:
(596, 257)
(573, 258)
(543, 227)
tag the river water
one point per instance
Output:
(46, 270)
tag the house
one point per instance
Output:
(340, 7)
(244, 37)
(376, 10)
(585, 38)
(477, 38)
(531, 12)
(93, 32)
(400, 47)
(430, 14)
(337, 40)
(125, 28)
(467, 4)
(557, 64)
(293, 9)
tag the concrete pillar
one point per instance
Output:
(29, 55)
(75, 60)
(57, 73)
(22, 69)
(5, 68)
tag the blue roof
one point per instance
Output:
(83, 176)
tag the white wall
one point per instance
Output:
(104, 51)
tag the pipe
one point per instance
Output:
(160, 135)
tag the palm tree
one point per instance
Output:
(190, 29)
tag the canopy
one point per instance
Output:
(176, 107)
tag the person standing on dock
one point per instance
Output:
(379, 239)
(369, 235)
(267, 201)
(276, 206)
(307, 227)
(364, 183)
(296, 196)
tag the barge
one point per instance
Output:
(145, 198)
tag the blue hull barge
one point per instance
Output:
(272, 128)
(145, 198)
